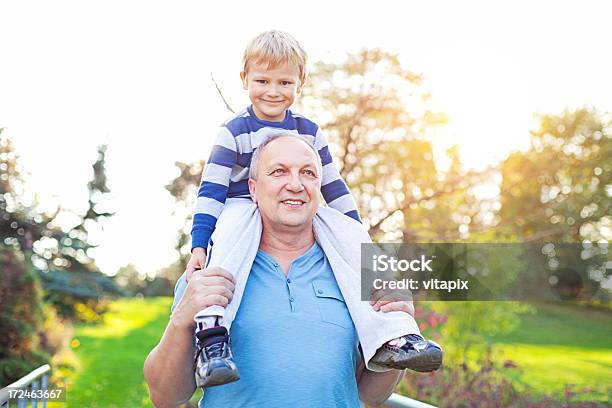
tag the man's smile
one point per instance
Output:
(293, 203)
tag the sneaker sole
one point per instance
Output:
(221, 376)
(420, 362)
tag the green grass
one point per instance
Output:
(111, 355)
(562, 344)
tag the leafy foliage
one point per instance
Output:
(21, 317)
(490, 385)
(184, 189)
(560, 188)
(69, 276)
(559, 191)
(20, 224)
(380, 123)
(72, 281)
(135, 283)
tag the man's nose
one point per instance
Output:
(295, 183)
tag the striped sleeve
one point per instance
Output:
(334, 189)
(213, 188)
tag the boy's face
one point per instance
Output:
(271, 91)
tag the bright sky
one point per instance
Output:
(136, 75)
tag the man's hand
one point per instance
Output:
(196, 261)
(207, 287)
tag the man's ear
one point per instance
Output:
(252, 190)
(243, 77)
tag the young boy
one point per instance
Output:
(274, 72)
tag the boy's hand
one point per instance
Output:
(395, 306)
(391, 301)
(197, 261)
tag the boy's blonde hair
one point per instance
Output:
(275, 48)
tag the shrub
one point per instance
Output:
(21, 316)
(489, 386)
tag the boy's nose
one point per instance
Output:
(273, 90)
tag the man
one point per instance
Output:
(295, 346)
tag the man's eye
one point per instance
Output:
(278, 172)
(309, 173)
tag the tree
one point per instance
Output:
(380, 122)
(558, 192)
(20, 224)
(21, 317)
(71, 279)
(21, 303)
(68, 274)
(560, 188)
(184, 189)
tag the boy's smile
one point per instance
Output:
(271, 90)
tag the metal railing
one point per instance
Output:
(32, 380)
(399, 401)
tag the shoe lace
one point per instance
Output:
(415, 342)
(216, 349)
(413, 337)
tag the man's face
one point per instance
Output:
(272, 91)
(288, 183)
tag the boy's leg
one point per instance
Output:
(234, 253)
(375, 329)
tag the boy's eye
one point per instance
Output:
(261, 81)
(285, 83)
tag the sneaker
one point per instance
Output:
(411, 352)
(214, 360)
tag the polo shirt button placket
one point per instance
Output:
(291, 298)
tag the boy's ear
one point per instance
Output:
(243, 77)
(301, 85)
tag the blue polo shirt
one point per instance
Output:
(293, 339)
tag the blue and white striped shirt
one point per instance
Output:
(227, 170)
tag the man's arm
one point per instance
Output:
(169, 368)
(375, 388)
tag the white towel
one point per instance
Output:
(235, 243)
